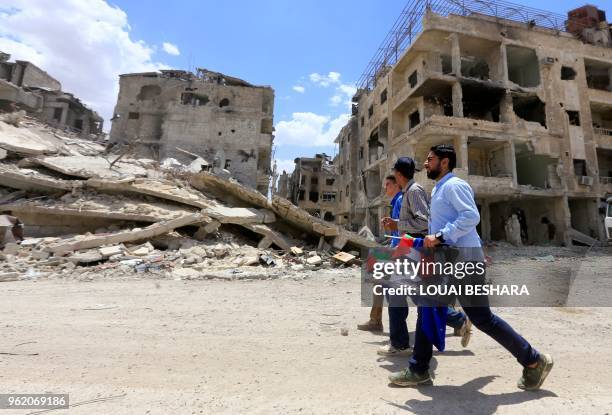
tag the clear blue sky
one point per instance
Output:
(281, 43)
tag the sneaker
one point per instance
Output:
(374, 326)
(408, 378)
(389, 350)
(466, 332)
(533, 378)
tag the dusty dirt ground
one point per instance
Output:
(274, 346)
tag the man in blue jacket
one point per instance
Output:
(453, 220)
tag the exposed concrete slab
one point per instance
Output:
(88, 167)
(31, 180)
(158, 188)
(270, 236)
(94, 241)
(239, 216)
(283, 208)
(95, 206)
(26, 142)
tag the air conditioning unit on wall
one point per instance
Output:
(586, 180)
(548, 60)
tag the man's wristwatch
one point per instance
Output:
(440, 237)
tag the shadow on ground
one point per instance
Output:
(467, 399)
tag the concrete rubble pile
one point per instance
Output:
(70, 206)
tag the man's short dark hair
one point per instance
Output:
(446, 151)
(391, 178)
(406, 166)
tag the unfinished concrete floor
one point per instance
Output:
(274, 346)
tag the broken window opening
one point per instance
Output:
(535, 170)
(371, 111)
(328, 196)
(347, 190)
(313, 197)
(329, 217)
(482, 103)
(266, 126)
(314, 180)
(228, 162)
(523, 66)
(375, 147)
(574, 117)
(330, 181)
(78, 124)
(447, 64)
(133, 116)
(57, 114)
(488, 157)
(604, 163)
(580, 167)
(383, 97)
(474, 67)
(197, 100)
(598, 75)
(361, 153)
(414, 119)
(413, 79)
(530, 108)
(362, 121)
(303, 180)
(224, 103)
(301, 194)
(148, 92)
(567, 73)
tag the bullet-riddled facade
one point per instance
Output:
(527, 106)
(224, 120)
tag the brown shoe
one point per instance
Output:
(374, 326)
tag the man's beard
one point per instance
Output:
(433, 174)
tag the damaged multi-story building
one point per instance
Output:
(177, 114)
(312, 186)
(525, 97)
(24, 86)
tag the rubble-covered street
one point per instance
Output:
(158, 345)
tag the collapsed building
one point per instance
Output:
(176, 114)
(524, 96)
(312, 186)
(67, 203)
(24, 86)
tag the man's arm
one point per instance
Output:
(461, 198)
(416, 211)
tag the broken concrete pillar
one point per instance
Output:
(457, 100)
(461, 146)
(455, 54)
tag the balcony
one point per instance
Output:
(600, 96)
(603, 137)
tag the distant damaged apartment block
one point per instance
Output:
(181, 115)
(24, 86)
(525, 96)
(312, 186)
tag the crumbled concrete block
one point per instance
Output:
(40, 254)
(109, 251)
(314, 260)
(11, 248)
(184, 273)
(296, 251)
(86, 257)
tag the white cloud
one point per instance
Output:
(84, 44)
(325, 80)
(171, 49)
(307, 129)
(335, 100)
(284, 165)
(299, 88)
